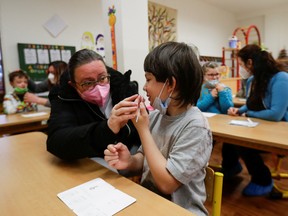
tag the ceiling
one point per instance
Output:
(247, 6)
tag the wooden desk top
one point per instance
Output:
(267, 135)
(31, 178)
(16, 119)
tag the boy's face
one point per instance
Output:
(153, 88)
(20, 82)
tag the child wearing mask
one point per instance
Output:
(13, 102)
(176, 139)
(215, 96)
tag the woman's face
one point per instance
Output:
(153, 88)
(91, 71)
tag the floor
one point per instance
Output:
(235, 204)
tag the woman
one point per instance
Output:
(91, 108)
(55, 70)
(267, 98)
(176, 139)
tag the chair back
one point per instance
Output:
(214, 185)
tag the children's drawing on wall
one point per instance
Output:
(87, 41)
(112, 21)
(99, 43)
(162, 24)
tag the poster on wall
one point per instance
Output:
(162, 24)
(35, 58)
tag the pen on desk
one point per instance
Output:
(249, 120)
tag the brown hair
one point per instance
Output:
(17, 73)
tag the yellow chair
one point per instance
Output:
(214, 185)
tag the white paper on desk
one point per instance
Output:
(96, 197)
(243, 123)
(34, 114)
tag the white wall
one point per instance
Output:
(273, 26)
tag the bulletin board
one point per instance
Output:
(35, 58)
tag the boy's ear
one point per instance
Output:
(173, 85)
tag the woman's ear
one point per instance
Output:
(249, 63)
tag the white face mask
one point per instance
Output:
(244, 73)
(51, 77)
(162, 106)
(211, 83)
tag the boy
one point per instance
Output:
(13, 102)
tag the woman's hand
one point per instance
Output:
(233, 111)
(122, 113)
(117, 156)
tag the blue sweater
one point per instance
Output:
(207, 103)
(275, 100)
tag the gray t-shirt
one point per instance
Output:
(186, 141)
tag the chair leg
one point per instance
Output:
(278, 193)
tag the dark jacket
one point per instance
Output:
(78, 129)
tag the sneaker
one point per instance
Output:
(229, 173)
(253, 189)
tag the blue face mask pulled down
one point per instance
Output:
(160, 105)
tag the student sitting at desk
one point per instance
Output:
(13, 102)
(176, 139)
(215, 96)
(90, 109)
(55, 70)
(267, 98)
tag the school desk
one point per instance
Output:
(31, 178)
(17, 123)
(267, 135)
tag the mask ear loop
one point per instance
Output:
(162, 88)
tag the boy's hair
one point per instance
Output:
(17, 73)
(178, 60)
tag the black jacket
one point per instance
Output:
(78, 129)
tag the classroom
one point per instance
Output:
(207, 24)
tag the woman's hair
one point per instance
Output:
(59, 67)
(263, 68)
(17, 73)
(80, 58)
(208, 65)
(178, 60)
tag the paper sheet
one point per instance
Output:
(244, 123)
(95, 197)
(34, 114)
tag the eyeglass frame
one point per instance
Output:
(95, 82)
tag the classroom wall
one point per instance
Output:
(202, 24)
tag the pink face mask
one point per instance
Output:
(98, 95)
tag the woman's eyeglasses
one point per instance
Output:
(88, 85)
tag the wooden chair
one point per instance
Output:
(214, 185)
